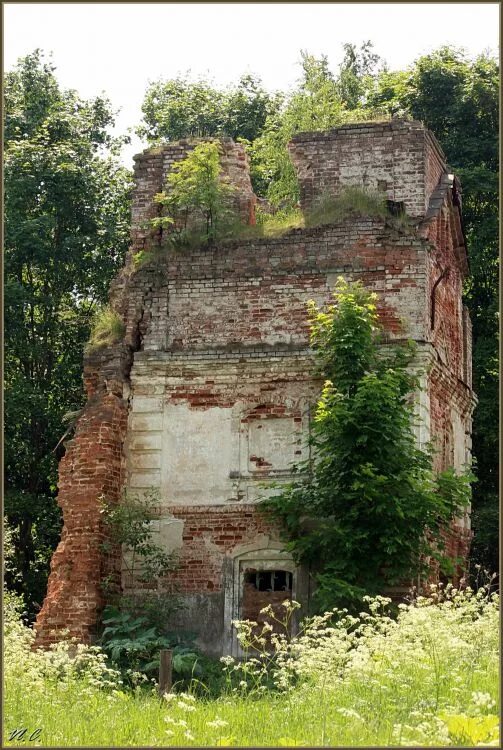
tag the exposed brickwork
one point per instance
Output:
(91, 468)
(399, 157)
(152, 167)
(215, 374)
(208, 535)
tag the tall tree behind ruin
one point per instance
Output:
(66, 232)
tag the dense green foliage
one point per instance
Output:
(357, 515)
(133, 645)
(179, 107)
(427, 678)
(197, 200)
(66, 232)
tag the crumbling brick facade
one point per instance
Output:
(208, 398)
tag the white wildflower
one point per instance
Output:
(483, 701)
(217, 723)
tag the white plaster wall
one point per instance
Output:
(197, 455)
(422, 420)
(199, 450)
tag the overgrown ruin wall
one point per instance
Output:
(215, 375)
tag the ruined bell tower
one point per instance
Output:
(207, 399)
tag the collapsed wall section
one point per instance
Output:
(91, 469)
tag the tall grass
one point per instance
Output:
(108, 328)
(352, 200)
(428, 678)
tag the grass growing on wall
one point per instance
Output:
(430, 678)
(329, 209)
(108, 329)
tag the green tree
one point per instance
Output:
(66, 232)
(197, 198)
(314, 105)
(178, 108)
(458, 99)
(181, 107)
(320, 101)
(367, 512)
(355, 73)
(247, 107)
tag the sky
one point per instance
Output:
(117, 48)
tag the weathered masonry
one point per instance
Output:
(208, 397)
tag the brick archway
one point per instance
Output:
(244, 599)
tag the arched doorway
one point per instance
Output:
(258, 575)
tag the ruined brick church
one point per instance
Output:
(207, 398)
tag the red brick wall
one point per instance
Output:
(255, 292)
(90, 469)
(250, 298)
(209, 534)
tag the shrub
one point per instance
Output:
(370, 494)
(134, 645)
(197, 199)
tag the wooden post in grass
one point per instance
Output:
(165, 671)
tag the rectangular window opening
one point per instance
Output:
(269, 580)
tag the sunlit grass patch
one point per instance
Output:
(108, 328)
(426, 678)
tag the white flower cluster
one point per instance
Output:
(64, 663)
(441, 637)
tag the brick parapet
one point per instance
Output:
(399, 158)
